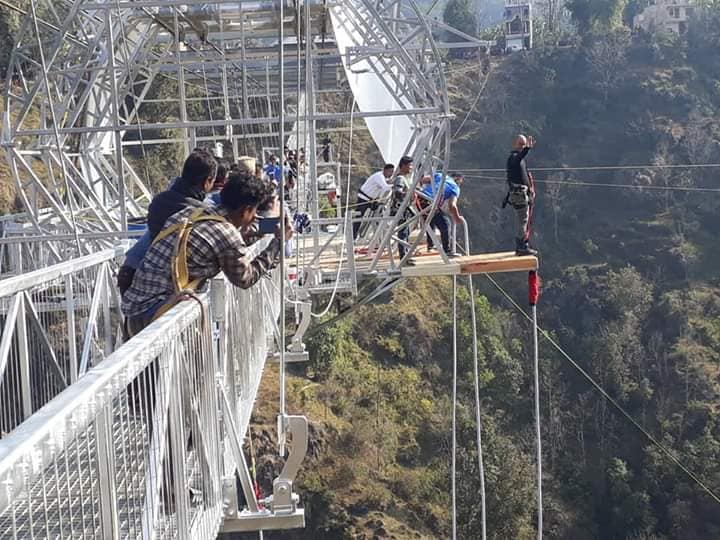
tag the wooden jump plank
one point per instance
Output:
(485, 263)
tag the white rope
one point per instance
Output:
(454, 413)
(538, 439)
(476, 377)
(346, 224)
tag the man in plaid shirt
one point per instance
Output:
(212, 246)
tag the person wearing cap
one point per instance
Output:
(247, 164)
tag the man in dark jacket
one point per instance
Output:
(520, 194)
(190, 189)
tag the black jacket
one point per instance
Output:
(165, 204)
(516, 169)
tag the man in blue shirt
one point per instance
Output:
(273, 170)
(446, 211)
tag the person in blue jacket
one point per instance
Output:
(190, 189)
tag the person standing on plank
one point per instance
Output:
(521, 194)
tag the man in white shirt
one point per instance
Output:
(370, 193)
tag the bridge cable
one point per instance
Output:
(667, 452)
(472, 107)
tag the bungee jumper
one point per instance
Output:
(521, 192)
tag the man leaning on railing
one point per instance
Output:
(195, 245)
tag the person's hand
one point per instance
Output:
(457, 219)
(531, 141)
(274, 209)
(288, 231)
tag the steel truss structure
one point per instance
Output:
(85, 79)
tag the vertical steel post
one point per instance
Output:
(24, 357)
(105, 300)
(119, 169)
(189, 133)
(311, 164)
(106, 473)
(178, 441)
(283, 270)
(72, 339)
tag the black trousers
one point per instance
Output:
(441, 221)
(362, 206)
(403, 234)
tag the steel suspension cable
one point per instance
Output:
(691, 475)
(474, 104)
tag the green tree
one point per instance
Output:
(596, 16)
(9, 26)
(460, 15)
(630, 512)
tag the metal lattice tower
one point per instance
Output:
(87, 79)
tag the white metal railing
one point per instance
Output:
(56, 322)
(147, 444)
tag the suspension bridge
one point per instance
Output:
(101, 438)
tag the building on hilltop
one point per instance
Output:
(518, 25)
(665, 15)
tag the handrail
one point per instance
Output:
(69, 413)
(15, 284)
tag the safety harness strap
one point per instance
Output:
(184, 287)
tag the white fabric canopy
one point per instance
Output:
(392, 133)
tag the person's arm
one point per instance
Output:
(244, 272)
(135, 254)
(454, 211)
(523, 152)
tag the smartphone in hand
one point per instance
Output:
(268, 225)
